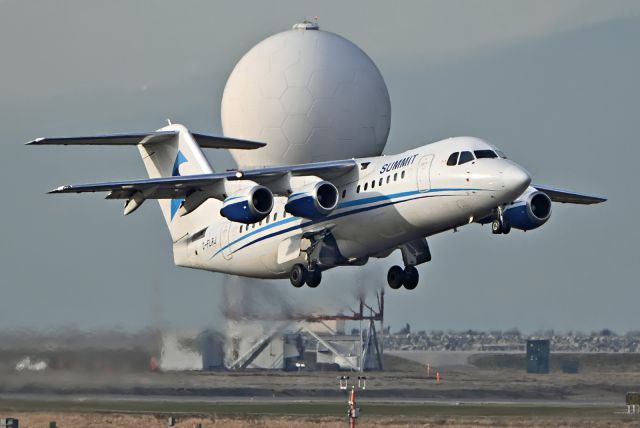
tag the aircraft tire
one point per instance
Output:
(496, 227)
(298, 275)
(314, 278)
(506, 228)
(411, 277)
(395, 277)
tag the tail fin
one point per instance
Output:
(178, 156)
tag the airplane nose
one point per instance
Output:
(516, 178)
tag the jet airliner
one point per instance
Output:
(297, 221)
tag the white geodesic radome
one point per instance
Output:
(310, 95)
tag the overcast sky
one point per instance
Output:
(554, 84)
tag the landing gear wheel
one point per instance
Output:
(395, 277)
(298, 275)
(411, 277)
(498, 227)
(314, 278)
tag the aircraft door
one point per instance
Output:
(224, 240)
(424, 168)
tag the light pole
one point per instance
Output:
(353, 411)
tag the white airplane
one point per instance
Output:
(299, 220)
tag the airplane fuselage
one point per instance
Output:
(384, 203)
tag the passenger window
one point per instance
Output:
(395, 177)
(358, 189)
(402, 175)
(380, 182)
(275, 217)
(388, 179)
(240, 228)
(453, 159)
(344, 193)
(373, 184)
(485, 154)
(267, 220)
(465, 157)
(365, 186)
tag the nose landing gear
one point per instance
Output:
(500, 225)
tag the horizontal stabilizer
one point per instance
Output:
(132, 139)
(566, 196)
(215, 142)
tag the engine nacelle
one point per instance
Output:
(530, 211)
(249, 205)
(313, 200)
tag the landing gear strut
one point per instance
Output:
(397, 277)
(300, 275)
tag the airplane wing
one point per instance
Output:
(175, 187)
(132, 139)
(565, 196)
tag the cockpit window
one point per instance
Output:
(465, 157)
(485, 154)
(501, 154)
(453, 159)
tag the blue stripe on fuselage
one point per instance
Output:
(348, 204)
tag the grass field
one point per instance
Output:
(96, 413)
(280, 399)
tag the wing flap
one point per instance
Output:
(324, 170)
(569, 197)
(152, 188)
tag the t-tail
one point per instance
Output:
(168, 154)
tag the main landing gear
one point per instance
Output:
(397, 277)
(413, 253)
(300, 275)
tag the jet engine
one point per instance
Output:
(529, 211)
(313, 200)
(249, 205)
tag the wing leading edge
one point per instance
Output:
(568, 197)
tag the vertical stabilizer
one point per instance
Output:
(178, 156)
